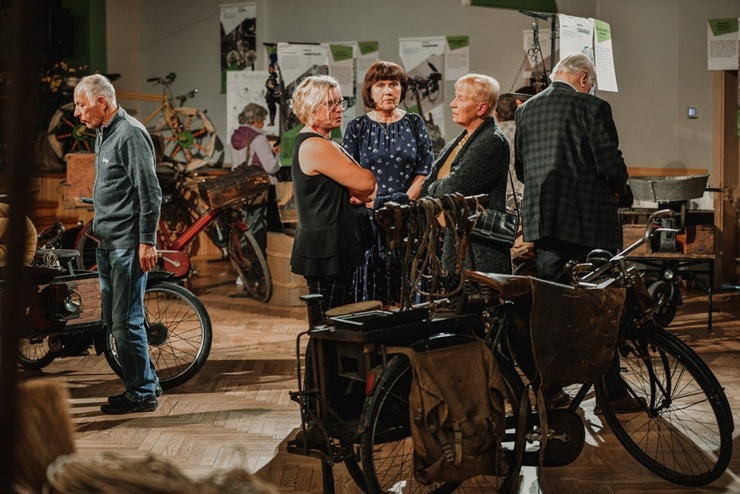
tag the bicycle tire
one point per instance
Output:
(179, 331)
(189, 136)
(309, 404)
(249, 263)
(35, 353)
(86, 244)
(388, 463)
(66, 134)
(662, 292)
(685, 435)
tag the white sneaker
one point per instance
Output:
(239, 280)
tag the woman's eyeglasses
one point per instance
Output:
(333, 105)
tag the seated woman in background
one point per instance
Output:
(475, 162)
(395, 145)
(250, 147)
(331, 190)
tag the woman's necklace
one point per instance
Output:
(384, 119)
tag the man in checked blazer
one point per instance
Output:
(567, 155)
(568, 158)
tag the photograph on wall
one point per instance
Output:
(576, 35)
(238, 38)
(457, 57)
(342, 66)
(606, 77)
(369, 53)
(245, 88)
(296, 62)
(424, 62)
(723, 40)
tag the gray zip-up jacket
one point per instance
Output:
(126, 193)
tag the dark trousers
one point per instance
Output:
(551, 255)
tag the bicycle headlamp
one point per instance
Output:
(668, 274)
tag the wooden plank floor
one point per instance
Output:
(236, 411)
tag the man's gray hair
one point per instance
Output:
(575, 63)
(97, 85)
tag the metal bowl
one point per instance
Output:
(668, 189)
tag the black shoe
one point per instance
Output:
(127, 405)
(312, 438)
(625, 404)
(117, 398)
(557, 400)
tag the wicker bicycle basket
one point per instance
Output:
(243, 184)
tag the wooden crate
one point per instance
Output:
(45, 300)
(246, 183)
(80, 178)
(696, 239)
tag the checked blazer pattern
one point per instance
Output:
(567, 155)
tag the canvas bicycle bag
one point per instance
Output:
(578, 345)
(456, 412)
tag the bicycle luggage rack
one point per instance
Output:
(347, 352)
(243, 184)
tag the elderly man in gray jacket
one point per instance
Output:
(127, 199)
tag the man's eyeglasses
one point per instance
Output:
(333, 105)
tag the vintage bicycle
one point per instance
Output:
(64, 320)
(223, 220)
(354, 397)
(184, 134)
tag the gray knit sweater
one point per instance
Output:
(480, 167)
(126, 193)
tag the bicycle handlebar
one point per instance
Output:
(167, 80)
(594, 272)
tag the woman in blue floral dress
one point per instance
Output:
(395, 145)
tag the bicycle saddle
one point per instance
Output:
(505, 286)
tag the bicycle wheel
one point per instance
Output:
(249, 263)
(179, 331)
(86, 244)
(663, 293)
(67, 135)
(685, 434)
(189, 136)
(386, 446)
(35, 353)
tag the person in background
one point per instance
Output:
(475, 162)
(504, 113)
(272, 92)
(250, 147)
(567, 155)
(331, 190)
(395, 146)
(127, 200)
